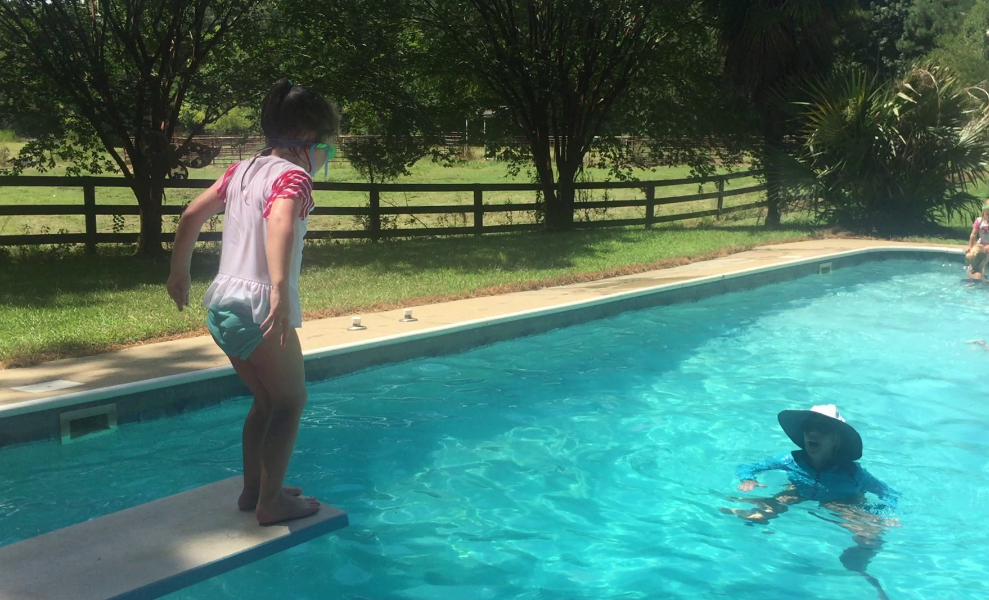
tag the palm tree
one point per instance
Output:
(769, 45)
(891, 156)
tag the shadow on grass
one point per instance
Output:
(948, 233)
(508, 252)
(34, 278)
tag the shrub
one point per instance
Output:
(891, 157)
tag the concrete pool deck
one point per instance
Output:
(189, 355)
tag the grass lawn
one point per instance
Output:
(54, 306)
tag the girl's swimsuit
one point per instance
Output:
(240, 297)
(981, 227)
(846, 482)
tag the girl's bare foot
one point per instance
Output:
(286, 508)
(750, 514)
(249, 498)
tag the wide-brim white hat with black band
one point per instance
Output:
(850, 447)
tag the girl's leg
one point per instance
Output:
(856, 558)
(768, 508)
(281, 372)
(255, 430)
(868, 537)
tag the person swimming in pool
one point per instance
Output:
(825, 470)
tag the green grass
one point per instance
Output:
(56, 303)
(8, 137)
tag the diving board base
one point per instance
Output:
(153, 549)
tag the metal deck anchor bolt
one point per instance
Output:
(356, 325)
(408, 318)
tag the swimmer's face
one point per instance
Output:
(821, 438)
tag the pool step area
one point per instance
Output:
(153, 549)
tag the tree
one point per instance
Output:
(367, 56)
(891, 156)
(770, 45)
(966, 50)
(110, 78)
(926, 22)
(870, 36)
(557, 69)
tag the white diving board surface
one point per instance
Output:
(153, 549)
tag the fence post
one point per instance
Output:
(650, 205)
(89, 205)
(375, 197)
(478, 211)
(721, 195)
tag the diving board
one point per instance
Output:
(153, 549)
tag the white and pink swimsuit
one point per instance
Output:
(249, 188)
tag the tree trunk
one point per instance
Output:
(543, 163)
(772, 143)
(149, 188)
(773, 201)
(558, 190)
(564, 209)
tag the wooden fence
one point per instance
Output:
(374, 211)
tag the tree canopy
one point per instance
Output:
(110, 78)
(549, 85)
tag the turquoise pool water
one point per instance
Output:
(591, 462)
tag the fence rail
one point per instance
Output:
(373, 212)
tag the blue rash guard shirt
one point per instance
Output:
(843, 482)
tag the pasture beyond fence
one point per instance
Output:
(372, 214)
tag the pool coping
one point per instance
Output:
(693, 281)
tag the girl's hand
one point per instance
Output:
(278, 322)
(178, 289)
(749, 484)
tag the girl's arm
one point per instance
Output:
(748, 472)
(193, 218)
(281, 241)
(290, 201)
(975, 235)
(877, 487)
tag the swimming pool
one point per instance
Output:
(590, 462)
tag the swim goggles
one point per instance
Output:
(330, 149)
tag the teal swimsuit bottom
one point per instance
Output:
(234, 332)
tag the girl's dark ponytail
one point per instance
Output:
(297, 113)
(274, 101)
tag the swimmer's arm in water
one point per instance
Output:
(747, 473)
(886, 494)
(871, 484)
